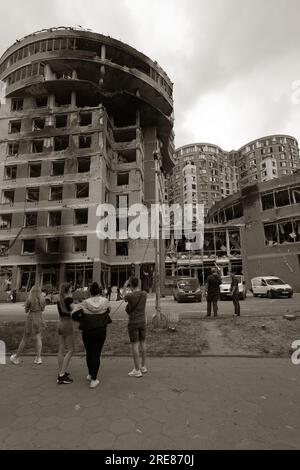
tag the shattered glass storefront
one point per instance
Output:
(26, 277)
(79, 274)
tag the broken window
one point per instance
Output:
(85, 141)
(56, 193)
(84, 164)
(221, 246)
(13, 149)
(28, 247)
(5, 221)
(4, 247)
(53, 245)
(122, 179)
(82, 190)
(11, 172)
(271, 234)
(63, 99)
(31, 219)
(124, 135)
(17, 104)
(38, 124)
(235, 243)
(209, 244)
(41, 101)
(80, 244)
(35, 169)
(27, 276)
(229, 213)
(268, 201)
(58, 168)
(80, 216)
(121, 248)
(61, 143)
(238, 210)
(85, 119)
(32, 194)
(282, 198)
(297, 230)
(61, 120)
(295, 195)
(8, 196)
(54, 219)
(285, 231)
(79, 275)
(15, 127)
(38, 146)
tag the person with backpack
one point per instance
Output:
(34, 307)
(135, 309)
(93, 317)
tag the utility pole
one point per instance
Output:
(159, 319)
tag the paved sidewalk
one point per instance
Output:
(211, 403)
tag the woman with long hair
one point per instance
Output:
(34, 307)
(66, 336)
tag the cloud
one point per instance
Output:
(232, 61)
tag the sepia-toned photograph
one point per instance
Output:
(149, 228)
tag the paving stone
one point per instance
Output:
(122, 426)
(101, 440)
(129, 441)
(24, 422)
(47, 422)
(71, 424)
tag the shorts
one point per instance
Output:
(65, 327)
(136, 333)
(33, 323)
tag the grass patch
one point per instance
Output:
(262, 336)
(188, 339)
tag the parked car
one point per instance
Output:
(187, 289)
(225, 292)
(51, 297)
(270, 286)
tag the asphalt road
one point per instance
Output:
(250, 307)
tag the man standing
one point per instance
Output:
(235, 294)
(136, 306)
(213, 291)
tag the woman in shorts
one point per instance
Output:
(34, 307)
(66, 336)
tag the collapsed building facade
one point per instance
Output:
(268, 214)
(83, 118)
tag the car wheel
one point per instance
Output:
(290, 296)
(255, 295)
(269, 294)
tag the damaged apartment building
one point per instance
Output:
(268, 214)
(83, 117)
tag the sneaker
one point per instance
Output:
(38, 360)
(94, 383)
(64, 380)
(144, 370)
(88, 377)
(14, 360)
(135, 373)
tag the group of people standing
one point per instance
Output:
(93, 316)
(213, 283)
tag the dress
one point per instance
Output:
(34, 320)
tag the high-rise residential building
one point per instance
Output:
(218, 173)
(84, 117)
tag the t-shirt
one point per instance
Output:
(136, 307)
(234, 285)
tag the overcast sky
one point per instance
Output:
(233, 62)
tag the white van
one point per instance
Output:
(271, 287)
(225, 291)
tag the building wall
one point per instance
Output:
(73, 86)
